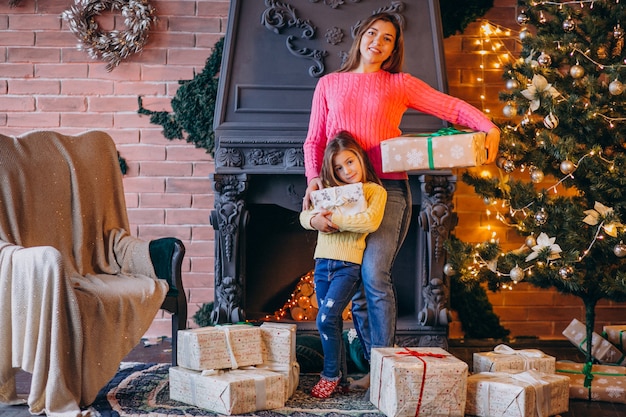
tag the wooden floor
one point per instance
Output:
(563, 350)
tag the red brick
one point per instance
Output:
(169, 169)
(34, 22)
(175, 8)
(187, 216)
(98, 104)
(29, 86)
(33, 120)
(208, 41)
(156, 103)
(61, 71)
(213, 8)
(86, 87)
(126, 71)
(146, 216)
(33, 54)
(166, 73)
(131, 119)
(139, 88)
(17, 70)
(151, 231)
(194, 24)
(53, 38)
(190, 185)
(101, 121)
(187, 57)
(150, 200)
(145, 185)
(17, 103)
(17, 39)
(61, 104)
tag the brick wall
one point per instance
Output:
(45, 83)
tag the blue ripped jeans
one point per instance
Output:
(374, 308)
(335, 284)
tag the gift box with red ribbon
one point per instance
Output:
(418, 381)
(517, 394)
(503, 358)
(446, 148)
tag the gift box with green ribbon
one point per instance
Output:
(602, 350)
(594, 382)
(446, 148)
(616, 334)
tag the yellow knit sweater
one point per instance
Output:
(349, 243)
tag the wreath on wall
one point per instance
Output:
(116, 45)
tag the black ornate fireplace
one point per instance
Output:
(274, 53)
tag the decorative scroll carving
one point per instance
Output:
(437, 220)
(334, 35)
(294, 157)
(335, 3)
(229, 157)
(229, 219)
(280, 16)
(262, 157)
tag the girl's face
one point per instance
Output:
(347, 167)
(377, 43)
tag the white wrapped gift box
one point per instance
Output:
(220, 347)
(409, 153)
(346, 199)
(517, 394)
(418, 382)
(235, 391)
(279, 353)
(503, 358)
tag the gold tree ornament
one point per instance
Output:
(116, 45)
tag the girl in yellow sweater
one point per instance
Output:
(340, 245)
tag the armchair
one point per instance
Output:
(77, 292)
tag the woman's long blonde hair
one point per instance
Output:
(394, 63)
(344, 141)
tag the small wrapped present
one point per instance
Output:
(601, 349)
(505, 359)
(236, 391)
(346, 199)
(279, 353)
(220, 347)
(616, 335)
(606, 382)
(517, 394)
(418, 382)
(446, 148)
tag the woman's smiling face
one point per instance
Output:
(377, 43)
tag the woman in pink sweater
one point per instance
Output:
(368, 97)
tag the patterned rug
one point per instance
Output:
(142, 390)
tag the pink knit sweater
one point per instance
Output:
(370, 106)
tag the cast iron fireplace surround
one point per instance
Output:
(274, 53)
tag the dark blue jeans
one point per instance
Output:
(374, 308)
(335, 284)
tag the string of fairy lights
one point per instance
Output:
(601, 217)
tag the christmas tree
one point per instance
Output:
(562, 162)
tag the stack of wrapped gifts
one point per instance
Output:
(516, 383)
(605, 378)
(236, 369)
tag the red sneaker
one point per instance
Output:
(324, 388)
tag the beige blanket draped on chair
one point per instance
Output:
(77, 292)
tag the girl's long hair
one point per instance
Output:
(394, 63)
(344, 141)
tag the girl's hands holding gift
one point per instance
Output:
(314, 184)
(323, 222)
